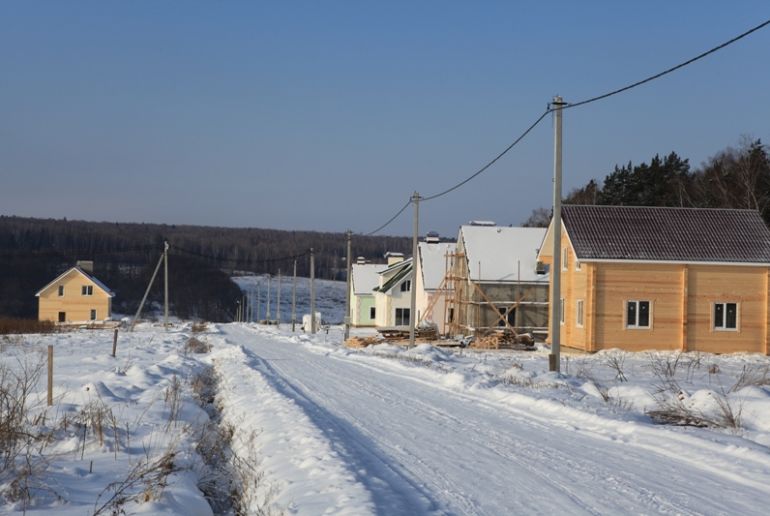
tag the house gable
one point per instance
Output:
(76, 270)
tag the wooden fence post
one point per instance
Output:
(50, 375)
(114, 342)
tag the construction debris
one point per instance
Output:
(362, 342)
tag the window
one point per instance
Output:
(725, 316)
(637, 314)
(372, 312)
(579, 313)
(451, 315)
(406, 286)
(87, 290)
(93, 315)
(578, 265)
(402, 316)
(61, 290)
(62, 316)
(564, 257)
(562, 304)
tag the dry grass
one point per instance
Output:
(195, 345)
(200, 326)
(10, 326)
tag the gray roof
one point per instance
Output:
(667, 234)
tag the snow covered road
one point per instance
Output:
(417, 445)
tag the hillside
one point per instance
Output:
(34, 251)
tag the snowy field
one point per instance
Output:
(330, 297)
(259, 420)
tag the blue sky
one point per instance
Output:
(327, 115)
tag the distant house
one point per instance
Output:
(392, 295)
(75, 296)
(364, 279)
(433, 262)
(663, 278)
(496, 279)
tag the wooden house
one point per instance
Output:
(685, 279)
(75, 296)
(496, 280)
(364, 279)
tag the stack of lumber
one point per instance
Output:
(424, 333)
(362, 342)
(504, 339)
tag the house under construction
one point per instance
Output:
(493, 281)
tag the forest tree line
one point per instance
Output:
(34, 251)
(733, 178)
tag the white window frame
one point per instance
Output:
(579, 313)
(406, 286)
(724, 327)
(562, 310)
(636, 326)
(403, 310)
(61, 290)
(565, 259)
(372, 312)
(94, 314)
(578, 265)
(87, 290)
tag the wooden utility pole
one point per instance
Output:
(267, 316)
(165, 285)
(294, 298)
(348, 295)
(413, 289)
(554, 359)
(278, 301)
(114, 343)
(259, 301)
(312, 291)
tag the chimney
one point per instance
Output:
(394, 258)
(432, 238)
(361, 260)
(86, 265)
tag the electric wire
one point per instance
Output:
(668, 70)
(236, 261)
(390, 220)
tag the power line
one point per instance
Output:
(390, 220)
(493, 161)
(669, 70)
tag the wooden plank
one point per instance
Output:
(685, 295)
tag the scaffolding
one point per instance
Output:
(467, 308)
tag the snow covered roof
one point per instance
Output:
(494, 253)
(399, 271)
(84, 273)
(433, 262)
(366, 277)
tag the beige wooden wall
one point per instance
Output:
(76, 306)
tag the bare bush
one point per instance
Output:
(144, 482)
(752, 375)
(664, 367)
(200, 326)
(195, 345)
(616, 361)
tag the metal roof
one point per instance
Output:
(667, 234)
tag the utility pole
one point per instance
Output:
(413, 286)
(554, 359)
(347, 297)
(312, 291)
(237, 310)
(294, 298)
(259, 301)
(165, 287)
(278, 302)
(267, 316)
(144, 298)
